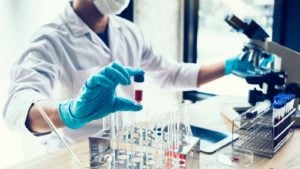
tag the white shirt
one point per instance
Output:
(66, 52)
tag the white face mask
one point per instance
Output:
(107, 7)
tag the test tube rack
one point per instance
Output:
(144, 149)
(260, 136)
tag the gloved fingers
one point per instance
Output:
(98, 79)
(245, 65)
(123, 104)
(135, 71)
(121, 69)
(244, 55)
(116, 76)
(128, 71)
(266, 61)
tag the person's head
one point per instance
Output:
(106, 7)
(95, 12)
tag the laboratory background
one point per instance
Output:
(184, 30)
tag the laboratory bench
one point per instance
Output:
(204, 113)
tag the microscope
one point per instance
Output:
(280, 76)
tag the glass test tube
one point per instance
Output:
(103, 125)
(113, 138)
(138, 92)
(138, 85)
(276, 111)
(136, 132)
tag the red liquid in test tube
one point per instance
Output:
(138, 93)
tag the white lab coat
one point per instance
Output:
(66, 52)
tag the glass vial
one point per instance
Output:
(138, 92)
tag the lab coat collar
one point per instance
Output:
(113, 23)
(77, 26)
(74, 22)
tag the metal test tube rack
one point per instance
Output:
(260, 135)
(106, 152)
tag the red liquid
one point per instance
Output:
(138, 95)
(235, 159)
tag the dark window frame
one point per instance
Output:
(190, 35)
(286, 24)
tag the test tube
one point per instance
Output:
(113, 138)
(138, 89)
(291, 101)
(287, 101)
(103, 125)
(276, 111)
(137, 133)
(291, 106)
(138, 85)
(138, 93)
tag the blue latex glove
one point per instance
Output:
(244, 66)
(266, 62)
(234, 64)
(97, 97)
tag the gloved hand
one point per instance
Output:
(234, 64)
(97, 97)
(244, 66)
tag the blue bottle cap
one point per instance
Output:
(139, 78)
(277, 98)
(277, 105)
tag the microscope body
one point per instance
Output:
(284, 73)
(285, 59)
(272, 79)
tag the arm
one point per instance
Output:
(36, 123)
(32, 77)
(217, 70)
(210, 72)
(97, 99)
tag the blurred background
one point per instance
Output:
(216, 40)
(20, 19)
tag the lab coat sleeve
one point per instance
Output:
(32, 77)
(168, 73)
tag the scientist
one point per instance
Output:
(87, 52)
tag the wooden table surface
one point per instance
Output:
(205, 113)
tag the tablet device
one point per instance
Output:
(212, 140)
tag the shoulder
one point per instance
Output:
(46, 42)
(51, 31)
